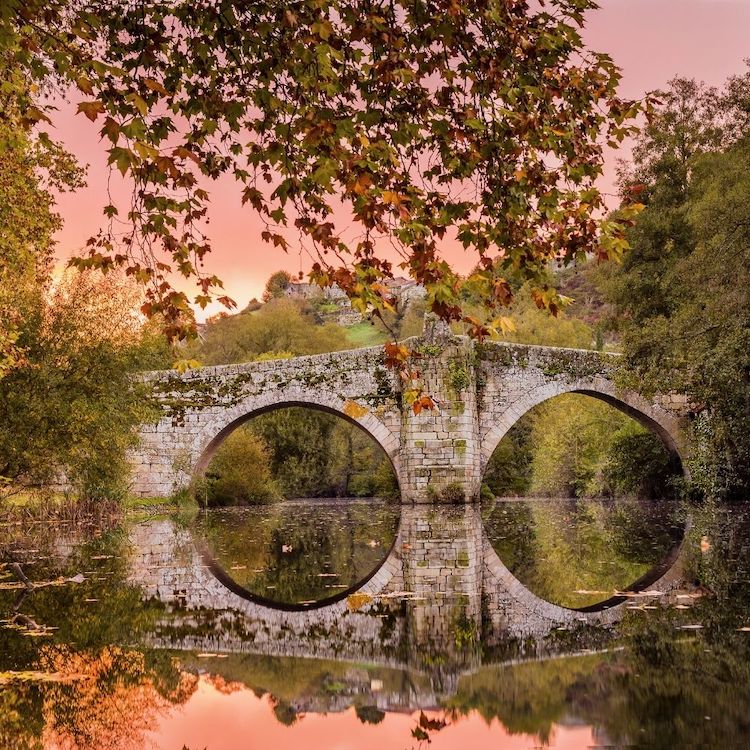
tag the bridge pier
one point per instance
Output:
(440, 447)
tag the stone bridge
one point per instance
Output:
(481, 391)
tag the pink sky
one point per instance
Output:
(651, 40)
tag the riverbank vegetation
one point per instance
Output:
(69, 343)
(296, 452)
(575, 446)
(681, 298)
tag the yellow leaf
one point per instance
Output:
(183, 365)
(354, 410)
(506, 325)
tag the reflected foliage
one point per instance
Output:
(296, 552)
(579, 552)
(101, 691)
(675, 675)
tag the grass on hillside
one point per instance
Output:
(366, 334)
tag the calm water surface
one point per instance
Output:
(361, 625)
(578, 552)
(298, 552)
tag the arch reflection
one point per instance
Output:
(586, 554)
(297, 555)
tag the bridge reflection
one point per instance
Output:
(441, 604)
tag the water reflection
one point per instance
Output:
(581, 552)
(298, 552)
(135, 644)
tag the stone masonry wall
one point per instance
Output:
(203, 405)
(481, 390)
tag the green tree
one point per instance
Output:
(31, 169)
(509, 468)
(576, 446)
(277, 285)
(72, 411)
(279, 327)
(314, 454)
(240, 472)
(682, 295)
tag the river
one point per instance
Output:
(363, 624)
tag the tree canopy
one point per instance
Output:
(682, 296)
(408, 122)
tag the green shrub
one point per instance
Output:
(458, 376)
(433, 494)
(239, 474)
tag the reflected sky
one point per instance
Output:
(228, 718)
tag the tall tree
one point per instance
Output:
(70, 412)
(683, 294)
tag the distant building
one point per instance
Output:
(404, 290)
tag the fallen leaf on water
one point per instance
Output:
(356, 601)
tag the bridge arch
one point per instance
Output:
(652, 416)
(211, 434)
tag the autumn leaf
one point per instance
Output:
(91, 109)
(354, 410)
(153, 85)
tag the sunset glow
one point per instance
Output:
(651, 40)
